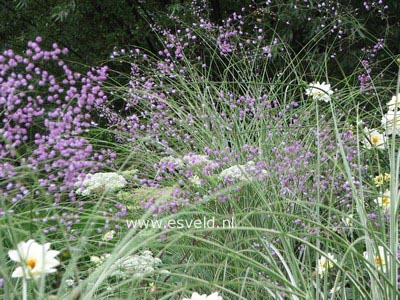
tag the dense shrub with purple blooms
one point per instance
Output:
(44, 116)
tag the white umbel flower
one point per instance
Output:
(136, 265)
(325, 263)
(320, 91)
(196, 296)
(95, 259)
(35, 259)
(379, 259)
(246, 172)
(234, 172)
(100, 183)
(373, 139)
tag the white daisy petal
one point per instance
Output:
(18, 272)
(13, 254)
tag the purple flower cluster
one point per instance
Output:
(238, 34)
(294, 164)
(365, 78)
(44, 117)
(147, 114)
(375, 6)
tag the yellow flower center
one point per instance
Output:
(374, 140)
(385, 200)
(377, 261)
(31, 262)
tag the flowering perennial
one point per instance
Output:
(384, 201)
(35, 259)
(374, 139)
(320, 91)
(100, 183)
(379, 258)
(246, 172)
(42, 119)
(325, 263)
(391, 122)
(394, 103)
(381, 179)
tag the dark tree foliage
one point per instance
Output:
(91, 29)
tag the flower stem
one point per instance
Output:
(24, 289)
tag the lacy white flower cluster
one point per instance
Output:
(196, 296)
(320, 91)
(391, 120)
(99, 183)
(246, 172)
(137, 265)
(133, 265)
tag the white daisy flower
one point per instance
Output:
(384, 200)
(391, 122)
(35, 259)
(320, 91)
(394, 103)
(379, 259)
(373, 139)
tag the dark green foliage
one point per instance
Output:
(91, 29)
